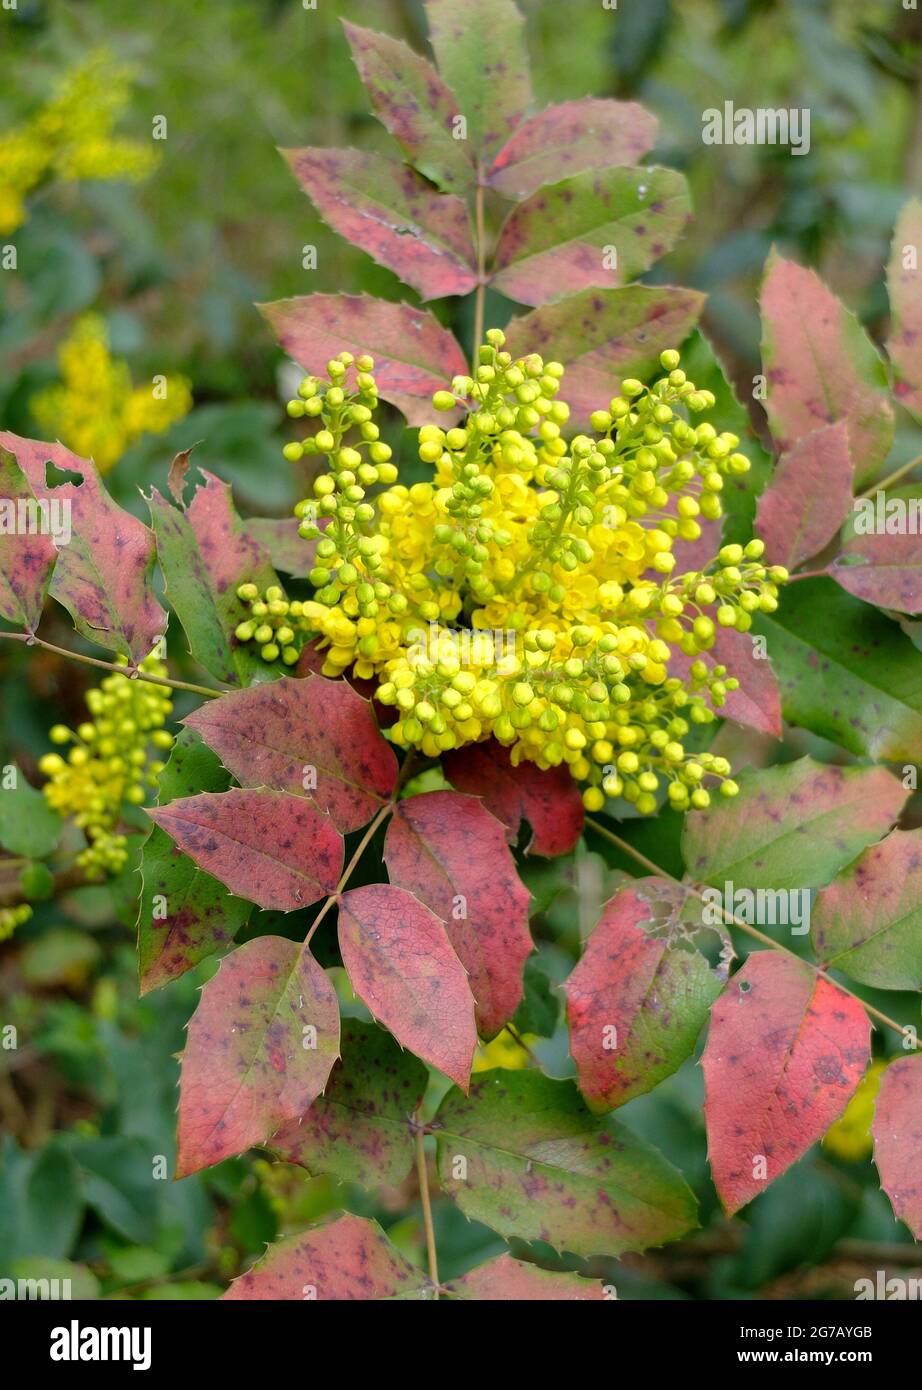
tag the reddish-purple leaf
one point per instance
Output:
(452, 854)
(103, 575)
(602, 227)
(288, 551)
(348, 1259)
(273, 849)
(27, 551)
(808, 498)
(821, 367)
(697, 554)
(411, 100)
(757, 702)
(548, 800)
(311, 736)
(402, 965)
(479, 46)
(881, 560)
(785, 1052)
(258, 1051)
(897, 1131)
(508, 1280)
(636, 1001)
(904, 281)
(414, 355)
(570, 138)
(602, 336)
(394, 214)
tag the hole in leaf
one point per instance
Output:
(745, 986)
(57, 477)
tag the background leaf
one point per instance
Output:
(28, 825)
(247, 1067)
(904, 343)
(402, 965)
(897, 1135)
(539, 1166)
(786, 1049)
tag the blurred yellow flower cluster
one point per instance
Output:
(108, 764)
(71, 137)
(94, 409)
(529, 592)
(850, 1136)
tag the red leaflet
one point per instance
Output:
(258, 1052)
(568, 138)
(26, 559)
(401, 963)
(880, 567)
(904, 281)
(809, 497)
(635, 1003)
(897, 1131)
(549, 801)
(414, 355)
(312, 737)
(103, 576)
(348, 1259)
(785, 1052)
(821, 367)
(508, 1279)
(452, 854)
(394, 214)
(271, 848)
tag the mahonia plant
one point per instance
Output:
(529, 592)
(549, 612)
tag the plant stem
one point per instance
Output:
(130, 671)
(891, 478)
(423, 1175)
(808, 574)
(729, 917)
(349, 869)
(480, 294)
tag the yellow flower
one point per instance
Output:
(95, 410)
(850, 1136)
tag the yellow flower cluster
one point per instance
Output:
(13, 917)
(94, 409)
(71, 136)
(108, 765)
(529, 591)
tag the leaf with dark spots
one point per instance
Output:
(882, 562)
(402, 965)
(394, 214)
(273, 849)
(524, 1155)
(897, 1131)
(27, 554)
(452, 854)
(278, 537)
(548, 800)
(414, 355)
(636, 1002)
(756, 704)
(411, 100)
(603, 336)
(479, 47)
(904, 282)
(509, 1280)
(258, 1051)
(312, 737)
(184, 914)
(359, 1130)
(808, 498)
(347, 1259)
(786, 1050)
(569, 138)
(821, 367)
(103, 576)
(792, 826)
(868, 922)
(564, 238)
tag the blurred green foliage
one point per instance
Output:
(87, 1096)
